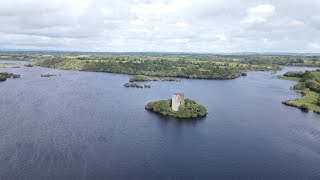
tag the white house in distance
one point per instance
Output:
(177, 101)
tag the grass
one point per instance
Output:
(289, 78)
(309, 97)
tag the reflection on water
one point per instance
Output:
(176, 121)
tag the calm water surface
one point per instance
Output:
(84, 125)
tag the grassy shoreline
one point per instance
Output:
(309, 99)
(289, 78)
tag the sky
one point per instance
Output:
(211, 26)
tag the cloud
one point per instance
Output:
(160, 25)
(315, 45)
(221, 37)
(259, 14)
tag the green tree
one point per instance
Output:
(318, 100)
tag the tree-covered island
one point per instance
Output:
(142, 78)
(29, 65)
(4, 76)
(189, 109)
(136, 85)
(48, 75)
(309, 86)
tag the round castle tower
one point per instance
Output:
(177, 101)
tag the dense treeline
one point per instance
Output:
(311, 61)
(155, 66)
(190, 109)
(253, 59)
(308, 80)
(206, 66)
(285, 59)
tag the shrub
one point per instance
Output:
(304, 107)
(133, 85)
(28, 65)
(2, 77)
(191, 109)
(47, 75)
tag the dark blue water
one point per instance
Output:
(84, 125)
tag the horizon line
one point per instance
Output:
(168, 52)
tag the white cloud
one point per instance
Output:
(181, 40)
(106, 11)
(160, 25)
(181, 24)
(315, 45)
(221, 37)
(296, 23)
(264, 9)
(259, 14)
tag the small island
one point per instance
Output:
(4, 76)
(48, 75)
(178, 107)
(142, 78)
(28, 65)
(135, 85)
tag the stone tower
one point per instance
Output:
(177, 101)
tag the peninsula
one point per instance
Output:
(309, 86)
(158, 65)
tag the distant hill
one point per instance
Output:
(155, 53)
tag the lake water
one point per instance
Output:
(84, 125)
